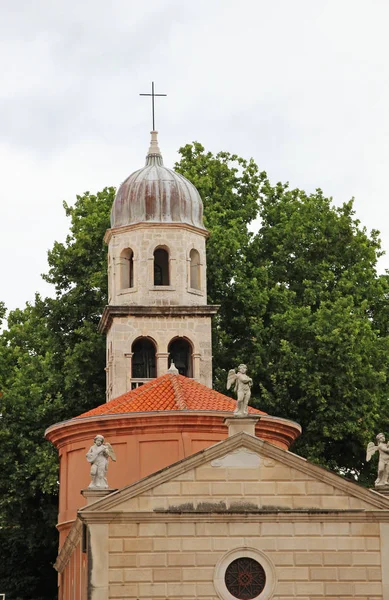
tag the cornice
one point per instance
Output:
(261, 516)
(150, 225)
(71, 542)
(79, 429)
(111, 311)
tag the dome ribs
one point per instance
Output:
(157, 194)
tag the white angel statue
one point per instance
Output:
(383, 462)
(242, 387)
(98, 455)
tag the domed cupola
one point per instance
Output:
(157, 285)
(156, 194)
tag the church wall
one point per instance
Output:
(160, 550)
(177, 559)
(269, 485)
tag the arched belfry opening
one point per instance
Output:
(161, 267)
(180, 352)
(143, 363)
(126, 269)
(194, 269)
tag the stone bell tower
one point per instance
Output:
(157, 309)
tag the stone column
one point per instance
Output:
(162, 363)
(128, 362)
(173, 273)
(384, 538)
(150, 278)
(196, 358)
(98, 552)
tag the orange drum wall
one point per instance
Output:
(142, 446)
(143, 443)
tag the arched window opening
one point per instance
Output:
(180, 352)
(194, 269)
(126, 269)
(143, 360)
(161, 267)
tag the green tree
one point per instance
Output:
(51, 369)
(301, 303)
(325, 333)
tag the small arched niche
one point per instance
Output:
(161, 267)
(143, 363)
(194, 273)
(180, 352)
(126, 269)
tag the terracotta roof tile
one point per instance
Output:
(168, 392)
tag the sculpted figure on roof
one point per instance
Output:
(383, 462)
(242, 387)
(98, 456)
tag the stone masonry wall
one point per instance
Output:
(143, 240)
(177, 559)
(316, 555)
(125, 330)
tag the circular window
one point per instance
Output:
(245, 578)
(245, 574)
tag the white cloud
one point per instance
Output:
(301, 86)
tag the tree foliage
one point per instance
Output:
(300, 302)
(51, 369)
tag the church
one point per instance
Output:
(201, 503)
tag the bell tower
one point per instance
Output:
(157, 310)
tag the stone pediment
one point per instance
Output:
(239, 474)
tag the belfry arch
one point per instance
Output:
(161, 266)
(126, 269)
(194, 270)
(143, 361)
(180, 351)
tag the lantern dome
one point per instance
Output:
(156, 194)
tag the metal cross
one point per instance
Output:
(152, 100)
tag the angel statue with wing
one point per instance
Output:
(242, 388)
(98, 455)
(383, 462)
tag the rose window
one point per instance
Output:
(245, 579)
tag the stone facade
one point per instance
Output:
(137, 243)
(143, 239)
(172, 535)
(161, 330)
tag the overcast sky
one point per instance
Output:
(300, 85)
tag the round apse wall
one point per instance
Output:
(245, 574)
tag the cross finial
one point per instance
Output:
(153, 95)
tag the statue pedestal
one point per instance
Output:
(92, 495)
(383, 489)
(238, 424)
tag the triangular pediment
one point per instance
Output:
(241, 472)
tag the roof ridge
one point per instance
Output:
(178, 393)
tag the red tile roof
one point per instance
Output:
(168, 392)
